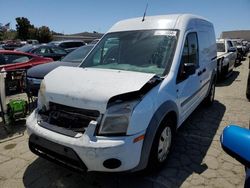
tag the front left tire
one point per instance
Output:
(162, 144)
(208, 101)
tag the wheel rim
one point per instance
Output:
(164, 143)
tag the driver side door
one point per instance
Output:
(189, 83)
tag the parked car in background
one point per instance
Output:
(32, 41)
(226, 57)
(241, 49)
(11, 45)
(26, 48)
(235, 141)
(119, 110)
(247, 45)
(68, 45)
(13, 60)
(95, 41)
(45, 50)
(36, 74)
(15, 63)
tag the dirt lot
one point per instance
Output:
(197, 159)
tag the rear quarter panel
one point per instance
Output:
(207, 54)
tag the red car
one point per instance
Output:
(13, 60)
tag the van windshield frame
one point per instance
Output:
(148, 51)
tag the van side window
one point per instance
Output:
(193, 49)
(185, 56)
(190, 54)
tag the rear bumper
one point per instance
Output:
(84, 151)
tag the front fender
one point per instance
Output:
(152, 128)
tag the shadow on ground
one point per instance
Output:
(228, 80)
(237, 64)
(191, 145)
(8, 132)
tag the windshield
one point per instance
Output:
(149, 51)
(58, 50)
(236, 43)
(25, 48)
(77, 55)
(220, 47)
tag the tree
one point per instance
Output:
(33, 33)
(23, 26)
(9, 35)
(1, 35)
(27, 31)
(44, 34)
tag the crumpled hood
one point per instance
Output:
(90, 88)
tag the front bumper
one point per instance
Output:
(84, 150)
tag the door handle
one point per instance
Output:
(202, 71)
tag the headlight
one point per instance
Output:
(116, 119)
(41, 102)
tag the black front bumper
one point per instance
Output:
(56, 153)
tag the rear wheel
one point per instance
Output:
(226, 71)
(221, 72)
(161, 145)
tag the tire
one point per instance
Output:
(221, 75)
(248, 86)
(162, 145)
(226, 71)
(208, 101)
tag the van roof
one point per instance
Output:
(171, 21)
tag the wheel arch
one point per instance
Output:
(167, 110)
(214, 78)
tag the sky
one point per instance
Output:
(74, 16)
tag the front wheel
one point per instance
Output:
(208, 101)
(161, 145)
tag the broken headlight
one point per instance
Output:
(41, 102)
(116, 119)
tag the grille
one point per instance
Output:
(71, 118)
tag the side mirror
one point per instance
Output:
(235, 141)
(232, 49)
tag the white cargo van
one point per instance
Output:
(119, 110)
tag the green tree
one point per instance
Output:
(1, 35)
(27, 31)
(44, 34)
(23, 26)
(33, 33)
(9, 35)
